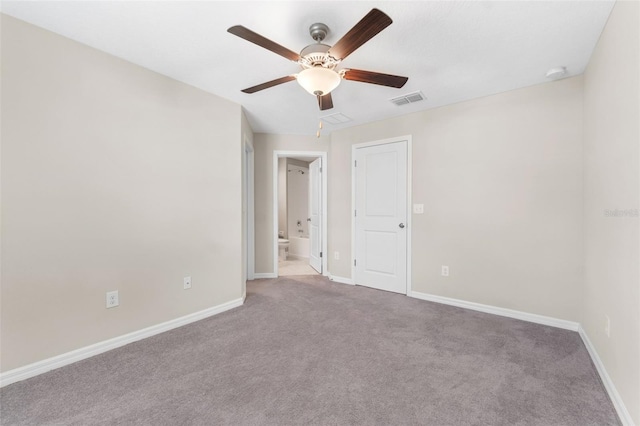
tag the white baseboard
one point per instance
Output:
(621, 409)
(260, 275)
(524, 316)
(618, 404)
(341, 280)
(58, 361)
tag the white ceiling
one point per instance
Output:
(451, 50)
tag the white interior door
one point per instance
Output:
(381, 216)
(315, 215)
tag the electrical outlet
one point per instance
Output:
(336, 255)
(187, 283)
(607, 326)
(445, 271)
(112, 299)
(418, 208)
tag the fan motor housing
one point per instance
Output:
(318, 31)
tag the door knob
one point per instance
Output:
(401, 225)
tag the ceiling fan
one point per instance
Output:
(319, 75)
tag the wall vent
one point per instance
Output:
(409, 98)
(337, 118)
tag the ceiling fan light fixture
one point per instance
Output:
(318, 81)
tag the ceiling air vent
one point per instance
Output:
(337, 118)
(408, 98)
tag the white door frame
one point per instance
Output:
(409, 203)
(325, 168)
(250, 224)
(315, 194)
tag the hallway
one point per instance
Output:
(295, 267)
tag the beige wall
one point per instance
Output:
(265, 144)
(612, 135)
(501, 181)
(113, 177)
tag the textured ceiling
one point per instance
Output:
(451, 50)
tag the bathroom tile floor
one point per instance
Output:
(295, 267)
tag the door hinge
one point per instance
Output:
(355, 163)
(320, 254)
(355, 213)
(354, 262)
(320, 170)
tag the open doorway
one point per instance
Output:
(300, 183)
(248, 227)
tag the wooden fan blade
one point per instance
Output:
(268, 84)
(325, 102)
(373, 22)
(261, 41)
(375, 78)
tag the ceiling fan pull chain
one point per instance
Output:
(319, 118)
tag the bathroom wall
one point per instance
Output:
(284, 227)
(297, 198)
(282, 198)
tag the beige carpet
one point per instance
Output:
(307, 351)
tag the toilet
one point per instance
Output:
(283, 248)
